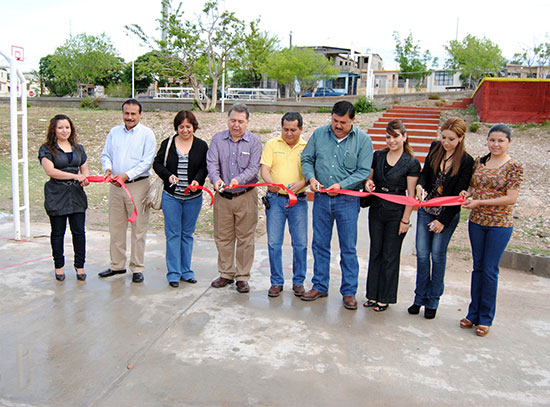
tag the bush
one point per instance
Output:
(471, 109)
(119, 90)
(433, 96)
(474, 127)
(364, 105)
(324, 110)
(440, 103)
(89, 103)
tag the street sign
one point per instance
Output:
(18, 53)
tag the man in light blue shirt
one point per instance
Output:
(337, 156)
(128, 154)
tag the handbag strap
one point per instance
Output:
(167, 148)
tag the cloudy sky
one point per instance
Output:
(42, 25)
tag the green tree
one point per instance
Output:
(474, 58)
(538, 55)
(86, 59)
(412, 62)
(299, 64)
(144, 75)
(48, 79)
(251, 54)
(194, 51)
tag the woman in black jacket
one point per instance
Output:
(447, 172)
(185, 167)
(394, 171)
(66, 163)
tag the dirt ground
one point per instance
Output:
(530, 146)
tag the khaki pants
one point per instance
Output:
(234, 228)
(120, 209)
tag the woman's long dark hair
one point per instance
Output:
(393, 127)
(457, 126)
(51, 138)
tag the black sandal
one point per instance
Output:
(380, 308)
(369, 303)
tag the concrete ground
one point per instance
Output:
(109, 342)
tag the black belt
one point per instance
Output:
(386, 190)
(137, 179)
(300, 195)
(229, 195)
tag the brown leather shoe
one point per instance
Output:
(299, 290)
(465, 323)
(275, 291)
(482, 330)
(242, 287)
(221, 282)
(312, 295)
(349, 302)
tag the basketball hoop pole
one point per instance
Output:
(17, 77)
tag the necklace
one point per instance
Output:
(445, 160)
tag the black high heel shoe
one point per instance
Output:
(414, 309)
(59, 277)
(81, 277)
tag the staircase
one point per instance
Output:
(422, 124)
(462, 104)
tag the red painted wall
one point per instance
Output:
(513, 101)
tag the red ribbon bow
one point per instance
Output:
(187, 189)
(132, 218)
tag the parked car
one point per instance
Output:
(324, 91)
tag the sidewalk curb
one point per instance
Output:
(533, 263)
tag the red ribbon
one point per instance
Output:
(132, 218)
(187, 189)
(292, 200)
(403, 199)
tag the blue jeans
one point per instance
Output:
(431, 259)
(488, 244)
(180, 219)
(345, 211)
(276, 217)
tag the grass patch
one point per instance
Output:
(532, 250)
(433, 96)
(471, 110)
(262, 131)
(464, 215)
(525, 126)
(324, 110)
(474, 127)
(464, 252)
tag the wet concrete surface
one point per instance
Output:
(109, 342)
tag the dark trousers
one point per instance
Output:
(385, 254)
(77, 223)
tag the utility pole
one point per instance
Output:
(290, 39)
(165, 13)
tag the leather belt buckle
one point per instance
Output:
(226, 195)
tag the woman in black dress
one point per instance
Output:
(394, 171)
(65, 162)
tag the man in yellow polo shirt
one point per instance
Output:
(281, 164)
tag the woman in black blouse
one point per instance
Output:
(447, 172)
(185, 167)
(394, 171)
(65, 162)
